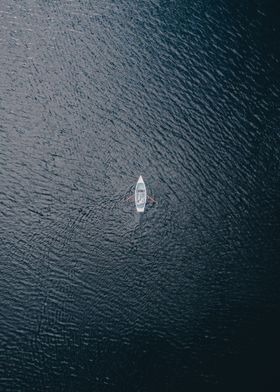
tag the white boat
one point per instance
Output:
(140, 195)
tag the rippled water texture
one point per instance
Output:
(93, 94)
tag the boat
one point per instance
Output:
(140, 195)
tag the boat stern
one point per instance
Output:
(140, 209)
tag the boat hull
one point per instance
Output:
(140, 195)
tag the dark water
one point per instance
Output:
(93, 94)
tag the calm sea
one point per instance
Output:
(93, 94)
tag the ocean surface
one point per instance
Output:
(93, 94)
